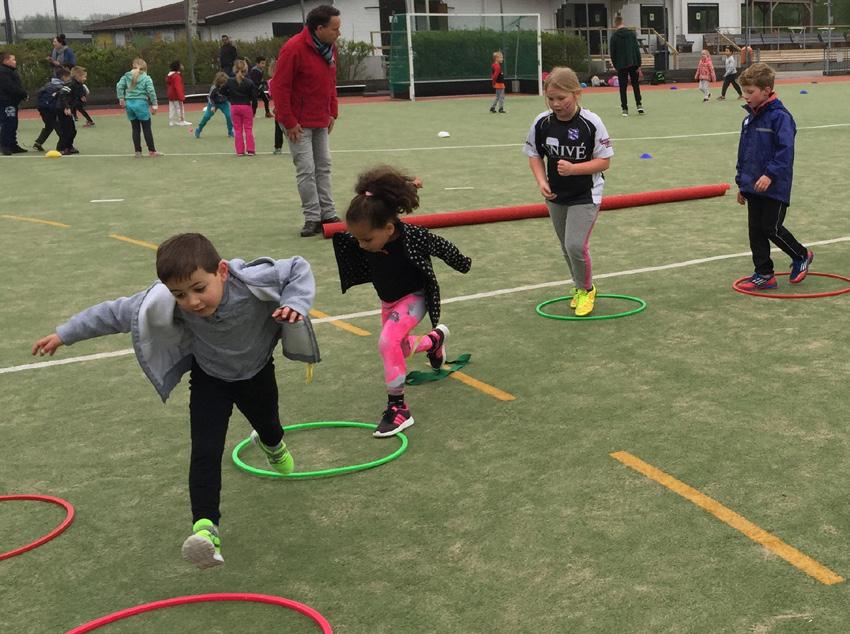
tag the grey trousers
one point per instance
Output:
(311, 155)
(499, 100)
(573, 224)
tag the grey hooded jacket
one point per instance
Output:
(165, 340)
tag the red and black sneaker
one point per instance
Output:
(437, 354)
(800, 268)
(759, 283)
(395, 419)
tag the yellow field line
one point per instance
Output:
(342, 325)
(37, 221)
(730, 517)
(482, 386)
(141, 243)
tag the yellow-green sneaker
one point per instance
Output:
(574, 300)
(584, 301)
(203, 546)
(278, 457)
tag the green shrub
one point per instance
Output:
(350, 58)
(105, 66)
(560, 49)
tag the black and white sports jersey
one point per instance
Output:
(578, 140)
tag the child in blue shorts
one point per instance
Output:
(137, 96)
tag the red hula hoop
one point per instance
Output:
(69, 517)
(840, 291)
(206, 598)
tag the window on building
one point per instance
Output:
(286, 29)
(703, 18)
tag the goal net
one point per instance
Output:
(458, 47)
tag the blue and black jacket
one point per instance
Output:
(767, 147)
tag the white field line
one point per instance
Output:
(450, 300)
(449, 189)
(107, 200)
(47, 364)
(449, 147)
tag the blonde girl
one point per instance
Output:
(497, 77)
(705, 75)
(242, 94)
(137, 96)
(577, 150)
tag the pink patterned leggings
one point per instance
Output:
(399, 318)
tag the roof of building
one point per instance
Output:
(209, 12)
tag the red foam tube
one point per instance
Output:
(538, 210)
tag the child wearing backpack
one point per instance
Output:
(53, 103)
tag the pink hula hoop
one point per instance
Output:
(69, 517)
(306, 610)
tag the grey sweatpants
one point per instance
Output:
(311, 155)
(499, 100)
(573, 224)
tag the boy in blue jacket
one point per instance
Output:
(763, 174)
(220, 321)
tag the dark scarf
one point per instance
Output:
(325, 50)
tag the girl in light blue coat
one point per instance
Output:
(137, 96)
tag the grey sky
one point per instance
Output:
(80, 8)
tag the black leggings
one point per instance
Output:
(83, 112)
(278, 135)
(138, 128)
(211, 402)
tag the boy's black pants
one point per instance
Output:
(765, 216)
(48, 117)
(727, 80)
(66, 129)
(8, 127)
(211, 402)
(82, 111)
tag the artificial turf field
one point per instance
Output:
(503, 516)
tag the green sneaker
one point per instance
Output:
(574, 300)
(278, 457)
(203, 546)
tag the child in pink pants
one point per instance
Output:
(396, 258)
(242, 94)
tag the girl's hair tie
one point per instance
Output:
(368, 194)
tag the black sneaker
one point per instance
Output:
(502, 111)
(311, 228)
(395, 419)
(38, 146)
(493, 110)
(437, 354)
(641, 110)
(5, 151)
(17, 149)
(331, 219)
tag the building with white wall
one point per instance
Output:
(364, 20)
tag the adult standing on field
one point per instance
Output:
(303, 89)
(227, 55)
(625, 56)
(62, 55)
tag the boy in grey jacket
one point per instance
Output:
(220, 321)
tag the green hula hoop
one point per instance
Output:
(297, 475)
(542, 313)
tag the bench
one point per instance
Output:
(791, 55)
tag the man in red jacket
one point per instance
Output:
(303, 88)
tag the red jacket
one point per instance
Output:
(176, 91)
(705, 70)
(303, 86)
